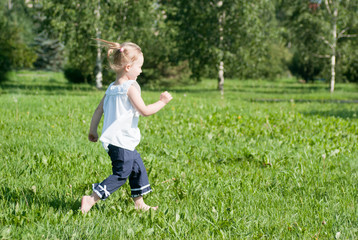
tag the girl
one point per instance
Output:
(121, 105)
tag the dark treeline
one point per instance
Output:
(181, 40)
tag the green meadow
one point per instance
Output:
(266, 160)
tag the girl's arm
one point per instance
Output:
(147, 110)
(96, 118)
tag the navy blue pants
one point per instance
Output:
(125, 164)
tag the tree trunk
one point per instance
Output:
(333, 72)
(334, 46)
(221, 78)
(98, 58)
(221, 55)
(99, 66)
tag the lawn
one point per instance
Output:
(266, 160)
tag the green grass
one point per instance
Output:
(231, 167)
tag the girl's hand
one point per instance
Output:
(165, 97)
(93, 137)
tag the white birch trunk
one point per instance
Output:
(334, 45)
(99, 77)
(221, 77)
(98, 58)
(221, 64)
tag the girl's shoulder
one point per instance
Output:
(136, 85)
(120, 89)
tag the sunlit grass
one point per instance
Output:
(221, 167)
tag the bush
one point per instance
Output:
(351, 73)
(348, 64)
(5, 64)
(14, 53)
(305, 66)
(75, 75)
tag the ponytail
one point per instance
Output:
(119, 54)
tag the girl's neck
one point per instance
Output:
(120, 79)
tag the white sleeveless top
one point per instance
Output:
(120, 125)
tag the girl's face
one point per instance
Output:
(136, 68)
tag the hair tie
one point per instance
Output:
(121, 49)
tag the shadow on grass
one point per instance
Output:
(279, 89)
(303, 100)
(257, 89)
(52, 88)
(345, 114)
(31, 198)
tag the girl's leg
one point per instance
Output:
(121, 168)
(87, 202)
(140, 205)
(138, 180)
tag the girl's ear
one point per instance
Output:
(127, 67)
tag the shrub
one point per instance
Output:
(348, 65)
(14, 52)
(74, 75)
(305, 66)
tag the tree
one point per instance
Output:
(318, 30)
(342, 17)
(77, 22)
(49, 52)
(210, 33)
(15, 49)
(99, 75)
(73, 23)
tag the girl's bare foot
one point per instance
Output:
(87, 202)
(140, 205)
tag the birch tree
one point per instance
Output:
(318, 32)
(74, 23)
(77, 22)
(221, 78)
(339, 13)
(218, 34)
(98, 67)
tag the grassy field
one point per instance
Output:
(268, 160)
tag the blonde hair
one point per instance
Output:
(119, 55)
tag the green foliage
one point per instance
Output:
(221, 168)
(14, 52)
(351, 69)
(180, 38)
(279, 58)
(76, 36)
(136, 21)
(243, 39)
(348, 67)
(305, 30)
(305, 67)
(5, 62)
(50, 53)
(312, 39)
(75, 75)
